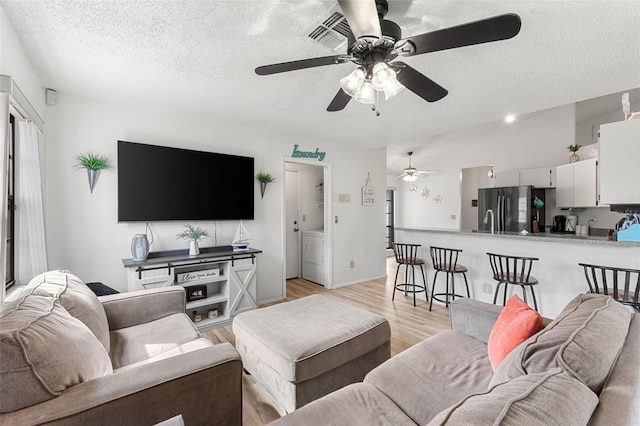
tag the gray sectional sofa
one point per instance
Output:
(69, 357)
(582, 368)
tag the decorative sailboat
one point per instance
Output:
(241, 238)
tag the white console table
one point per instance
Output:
(219, 281)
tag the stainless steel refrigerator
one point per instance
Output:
(512, 208)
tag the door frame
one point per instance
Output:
(328, 215)
(299, 234)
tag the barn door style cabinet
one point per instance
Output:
(220, 283)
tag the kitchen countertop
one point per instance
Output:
(550, 237)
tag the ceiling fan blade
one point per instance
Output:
(419, 83)
(340, 100)
(362, 16)
(301, 64)
(499, 27)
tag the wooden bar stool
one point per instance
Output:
(407, 255)
(622, 284)
(446, 260)
(514, 270)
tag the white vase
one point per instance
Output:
(193, 248)
(139, 247)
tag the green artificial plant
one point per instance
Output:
(193, 233)
(265, 177)
(91, 161)
(574, 148)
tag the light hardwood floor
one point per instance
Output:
(409, 325)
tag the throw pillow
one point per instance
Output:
(550, 398)
(516, 323)
(76, 298)
(43, 351)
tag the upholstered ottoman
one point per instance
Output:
(304, 349)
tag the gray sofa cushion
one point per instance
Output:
(551, 398)
(44, 351)
(141, 342)
(76, 298)
(584, 340)
(434, 374)
(356, 404)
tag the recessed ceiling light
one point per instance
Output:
(510, 118)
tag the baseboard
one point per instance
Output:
(272, 300)
(359, 281)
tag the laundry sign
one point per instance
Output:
(307, 154)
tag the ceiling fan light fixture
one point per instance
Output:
(351, 83)
(366, 94)
(384, 79)
(410, 178)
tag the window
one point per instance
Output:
(10, 277)
(390, 219)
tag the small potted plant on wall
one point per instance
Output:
(193, 235)
(264, 179)
(574, 158)
(93, 163)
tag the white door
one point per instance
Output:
(292, 224)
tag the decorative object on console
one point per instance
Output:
(574, 158)
(193, 235)
(195, 292)
(264, 179)
(140, 245)
(241, 238)
(93, 163)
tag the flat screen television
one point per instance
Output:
(158, 183)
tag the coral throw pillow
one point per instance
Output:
(516, 323)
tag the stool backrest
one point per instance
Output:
(444, 259)
(511, 269)
(620, 283)
(405, 253)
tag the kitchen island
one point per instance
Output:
(557, 270)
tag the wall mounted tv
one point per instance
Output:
(157, 183)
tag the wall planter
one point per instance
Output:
(93, 164)
(264, 178)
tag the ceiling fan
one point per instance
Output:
(374, 44)
(411, 174)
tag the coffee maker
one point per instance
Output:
(559, 223)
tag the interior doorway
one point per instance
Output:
(307, 244)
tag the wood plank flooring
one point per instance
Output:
(409, 325)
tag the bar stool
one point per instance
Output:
(514, 270)
(446, 260)
(407, 255)
(618, 283)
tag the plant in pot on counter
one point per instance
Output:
(574, 158)
(264, 179)
(193, 235)
(93, 163)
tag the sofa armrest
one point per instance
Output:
(142, 306)
(473, 317)
(204, 386)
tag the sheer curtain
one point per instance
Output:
(32, 253)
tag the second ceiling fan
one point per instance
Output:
(374, 43)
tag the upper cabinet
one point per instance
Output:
(544, 177)
(508, 178)
(619, 160)
(577, 184)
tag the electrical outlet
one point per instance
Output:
(487, 288)
(304, 217)
(453, 217)
(352, 264)
(335, 220)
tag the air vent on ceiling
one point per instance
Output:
(331, 30)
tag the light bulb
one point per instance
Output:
(366, 93)
(351, 83)
(410, 178)
(384, 79)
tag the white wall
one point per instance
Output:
(536, 140)
(82, 229)
(14, 62)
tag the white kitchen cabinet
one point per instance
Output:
(619, 159)
(313, 266)
(577, 184)
(544, 177)
(508, 178)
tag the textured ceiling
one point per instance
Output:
(197, 58)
